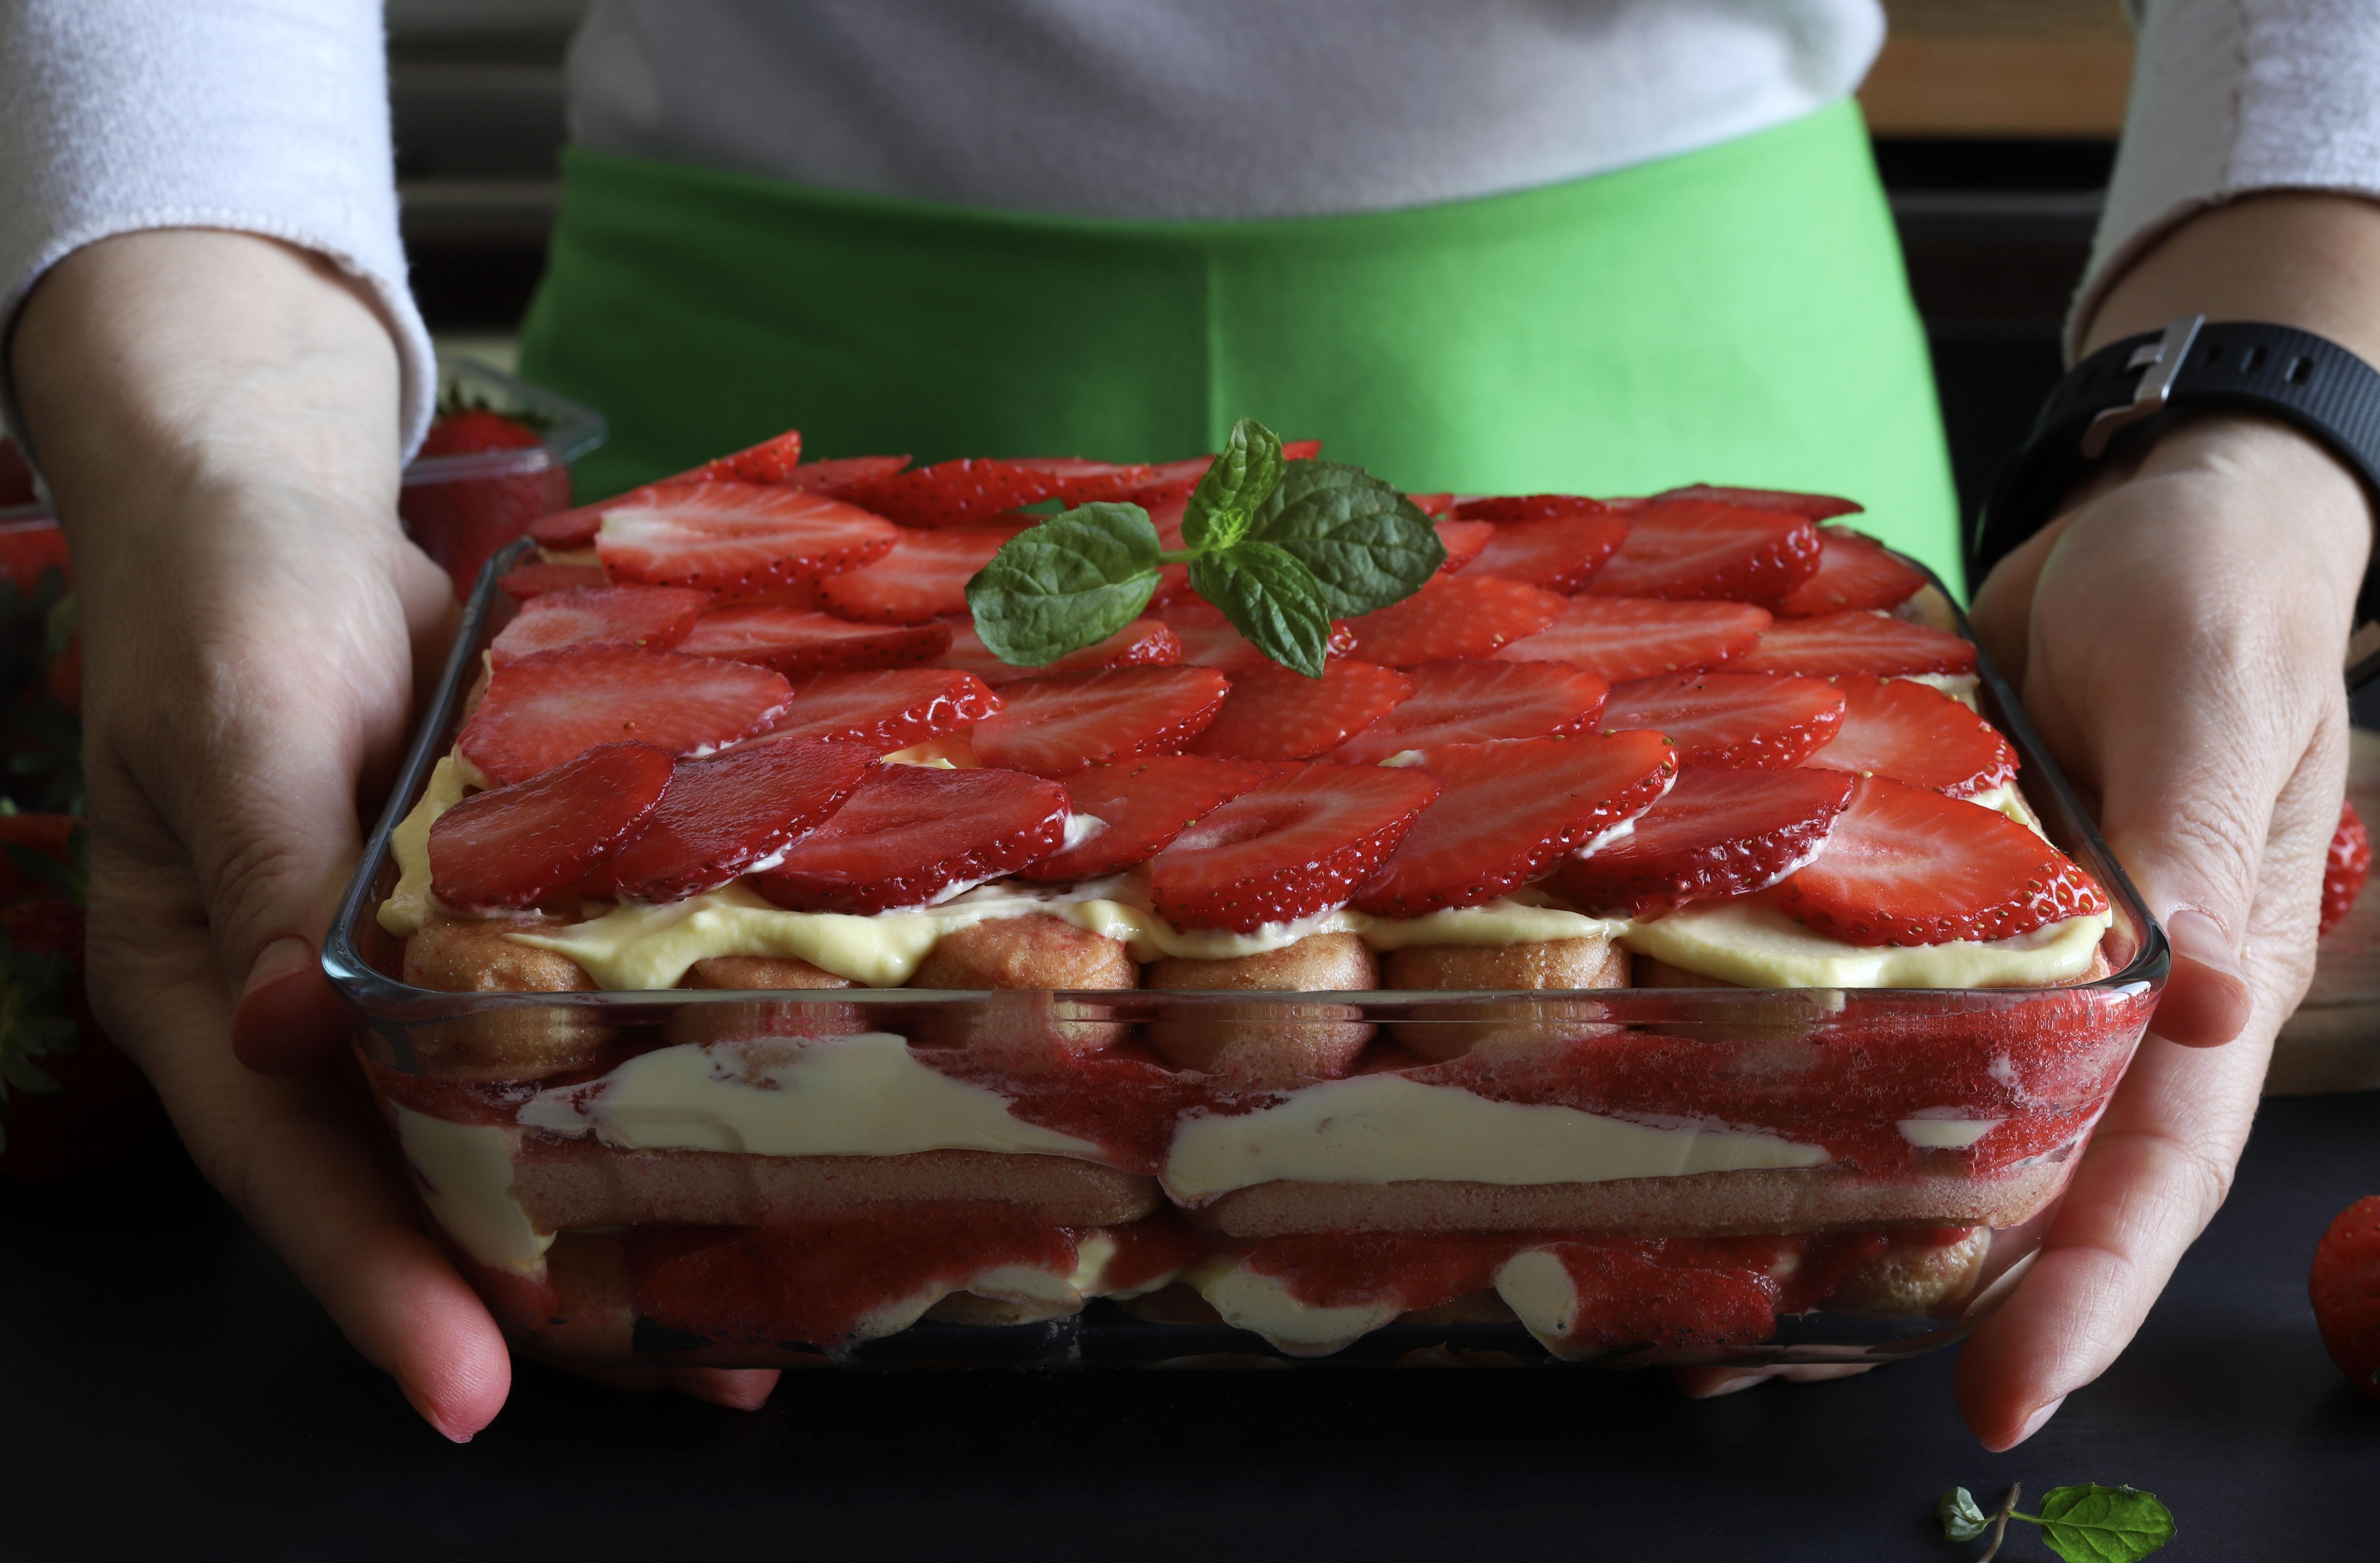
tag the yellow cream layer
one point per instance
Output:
(1746, 941)
(465, 1171)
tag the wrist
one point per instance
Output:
(2290, 488)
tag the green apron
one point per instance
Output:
(1733, 315)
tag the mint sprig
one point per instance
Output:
(2083, 1524)
(1281, 547)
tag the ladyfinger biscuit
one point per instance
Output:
(1454, 1030)
(701, 1024)
(471, 955)
(1271, 1045)
(1022, 1029)
(1917, 1276)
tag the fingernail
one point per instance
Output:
(2194, 933)
(285, 957)
(2033, 1424)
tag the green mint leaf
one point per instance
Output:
(1240, 480)
(2095, 1524)
(1364, 541)
(1271, 599)
(1963, 1519)
(1070, 582)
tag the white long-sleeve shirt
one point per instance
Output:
(271, 116)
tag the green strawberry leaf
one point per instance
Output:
(1070, 582)
(1963, 1519)
(1238, 481)
(1271, 599)
(1366, 542)
(2095, 1524)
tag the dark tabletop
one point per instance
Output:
(167, 1391)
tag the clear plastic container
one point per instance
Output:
(1618, 1177)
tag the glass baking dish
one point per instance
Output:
(1731, 1175)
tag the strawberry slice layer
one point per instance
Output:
(1809, 506)
(735, 538)
(924, 578)
(1463, 541)
(1291, 846)
(1716, 833)
(796, 640)
(653, 618)
(1145, 642)
(1273, 713)
(950, 493)
(1914, 733)
(534, 579)
(1463, 615)
(522, 846)
(1624, 637)
(1834, 643)
(1529, 506)
(771, 461)
(889, 711)
(1906, 866)
(837, 473)
(553, 706)
(1742, 721)
(1854, 572)
(910, 833)
(1701, 550)
(1512, 810)
(1559, 554)
(724, 813)
(1459, 702)
(1208, 639)
(1142, 805)
(1056, 725)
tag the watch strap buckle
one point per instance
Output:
(2161, 363)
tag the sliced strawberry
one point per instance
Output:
(525, 845)
(565, 530)
(1855, 571)
(1142, 805)
(1461, 702)
(1086, 483)
(1145, 642)
(971, 489)
(924, 578)
(1171, 482)
(891, 710)
(771, 461)
(1916, 734)
(2346, 868)
(910, 833)
(1512, 810)
(735, 538)
(1439, 506)
(1699, 550)
(1463, 541)
(553, 706)
(653, 618)
(1624, 637)
(534, 579)
(805, 595)
(834, 475)
(794, 641)
(1742, 721)
(1058, 723)
(1458, 617)
(1294, 846)
(1716, 833)
(1809, 506)
(1529, 506)
(1560, 553)
(1273, 713)
(1833, 644)
(1208, 638)
(724, 813)
(1906, 866)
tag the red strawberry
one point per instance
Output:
(1275, 714)
(553, 706)
(16, 476)
(1716, 833)
(474, 431)
(1809, 506)
(1208, 638)
(1462, 702)
(524, 845)
(523, 581)
(1693, 549)
(1512, 810)
(1294, 846)
(1085, 482)
(839, 472)
(1145, 642)
(1560, 553)
(735, 538)
(461, 520)
(794, 641)
(771, 461)
(1461, 616)
(1740, 721)
(1529, 506)
(950, 493)
(654, 618)
(2345, 1288)
(1438, 506)
(889, 710)
(30, 549)
(722, 814)
(910, 833)
(1143, 805)
(2349, 865)
(924, 578)
(1833, 644)
(1905, 866)
(1058, 723)
(1171, 482)
(1463, 541)
(1855, 571)
(1915, 734)
(566, 531)
(1624, 637)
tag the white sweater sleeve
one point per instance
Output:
(266, 116)
(2230, 97)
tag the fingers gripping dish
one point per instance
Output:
(1633, 935)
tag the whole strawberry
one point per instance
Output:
(461, 521)
(2346, 1290)
(2348, 866)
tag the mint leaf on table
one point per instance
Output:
(1367, 544)
(1070, 582)
(1963, 1519)
(1271, 599)
(1238, 481)
(2095, 1524)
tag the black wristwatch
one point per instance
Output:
(2127, 393)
